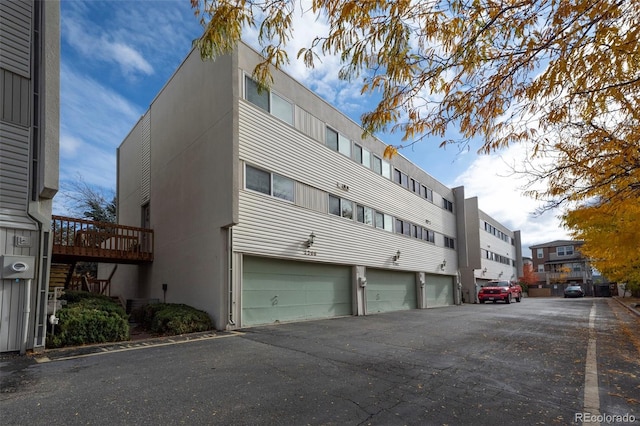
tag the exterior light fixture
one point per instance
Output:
(484, 271)
(310, 240)
(500, 274)
(443, 264)
(396, 257)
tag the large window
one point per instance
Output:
(269, 183)
(564, 251)
(449, 242)
(384, 221)
(268, 101)
(447, 205)
(426, 193)
(361, 156)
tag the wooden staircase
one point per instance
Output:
(60, 275)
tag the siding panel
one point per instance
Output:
(14, 174)
(15, 36)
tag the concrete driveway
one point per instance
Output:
(522, 363)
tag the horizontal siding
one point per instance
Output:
(272, 227)
(14, 173)
(269, 143)
(15, 36)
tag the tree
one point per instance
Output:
(611, 234)
(89, 202)
(528, 275)
(563, 76)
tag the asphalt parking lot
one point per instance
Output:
(523, 363)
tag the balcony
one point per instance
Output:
(80, 240)
(559, 277)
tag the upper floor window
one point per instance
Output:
(364, 215)
(540, 253)
(400, 178)
(564, 251)
(267, 100)
(384, 221)
(337, 142)
(269, 183)
(340, 207)
(449, 242)
(361, 155)
(447, 205)
(426, 193)
(540, 268)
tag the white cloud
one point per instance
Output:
(491, 178)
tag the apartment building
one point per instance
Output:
(559, 264)
(493, 251)
(29, 143)
(270, 206)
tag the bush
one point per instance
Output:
(89, 318)
(172, 319)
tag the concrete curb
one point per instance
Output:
(634, 311)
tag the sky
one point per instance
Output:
(116, 56)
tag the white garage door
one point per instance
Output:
(280, 290)
(439, 291)
(390, 290)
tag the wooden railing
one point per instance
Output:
(90, 241)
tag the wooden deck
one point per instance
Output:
(80, 240)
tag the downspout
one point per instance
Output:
(27, 312)
(230, 272)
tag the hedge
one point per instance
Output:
(172, 318)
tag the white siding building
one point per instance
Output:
(269, 206)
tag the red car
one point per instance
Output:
(500, 290)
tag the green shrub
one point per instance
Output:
(89, 318)
(172, 319)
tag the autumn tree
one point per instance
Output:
(562, 77)
(528, 275)
(611, 234)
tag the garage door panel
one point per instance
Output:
(279, 290)
(439, 291)
(390, 291)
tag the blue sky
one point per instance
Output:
(117, 55)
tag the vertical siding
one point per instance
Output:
(14, 107)
(311, 198)
(309, 125)
(15, 36)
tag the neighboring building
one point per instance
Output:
(559, 264)
(494, 252)
(29, 142)
(269, 206)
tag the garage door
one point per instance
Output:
(439, 291)
(390, 290)
(280, 290)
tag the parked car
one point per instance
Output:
(573, 291)
(500, 290)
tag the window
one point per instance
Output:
(258, 180)
(540, 268)
(414, 231)
(332, 139)
(337, 142)
(403, 227)
(426, 193)
(268, 101)
(281, 108)
(428, 235)
(449, 242)
(344, 146)
(255, 95)
(401, 178)
(283, 187)
(540, 253)
(564, 251)
(413, 185)
(361, 156)
(269, 183)
(386, 169)
(334, 205)
(364, 215)
(384, 221)
(340, 207)
(447, 205)
(377, 165)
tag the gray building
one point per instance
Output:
(493, 251)
(270, 206)
(29, 142)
